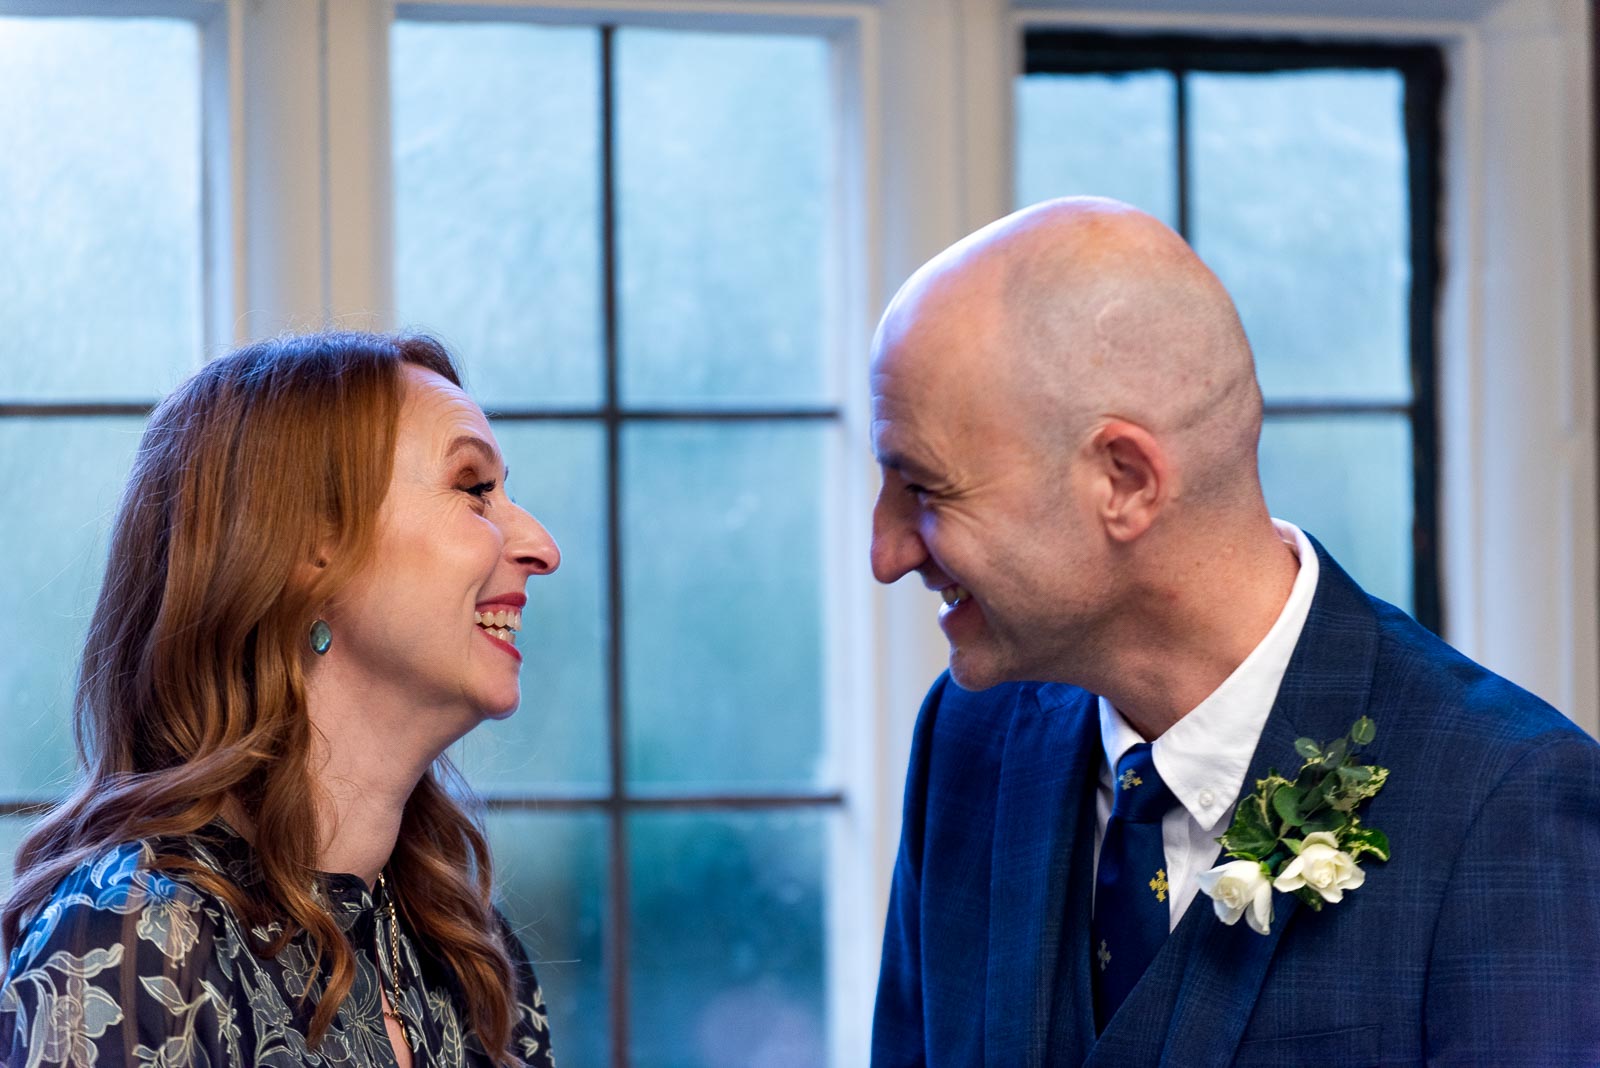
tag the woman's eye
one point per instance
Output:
(480, 490)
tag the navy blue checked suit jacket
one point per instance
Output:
(1478, 943)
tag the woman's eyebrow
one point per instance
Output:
(472, 441)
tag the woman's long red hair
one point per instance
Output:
(192, 687)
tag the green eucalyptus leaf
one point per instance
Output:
(1364, 731)
(1318, 795)
(1308, 749)
(1286, 803)
(1336, 753)
(1354, 774)
(1326, 820)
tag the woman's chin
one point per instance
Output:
(502, 709)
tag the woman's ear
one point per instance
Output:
(308, 571)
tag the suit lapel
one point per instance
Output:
(1193, 1005)
(1039, 1009)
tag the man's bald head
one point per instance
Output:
(1082, 310)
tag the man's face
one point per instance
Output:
(986, 508)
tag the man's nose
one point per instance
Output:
(897, 548)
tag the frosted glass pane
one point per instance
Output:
(722, 568)
(550, 869)
(728, 965)
(1300, 206)
(724, 155)
(100, 230)
(497, 224)
(12, 830)
(558, 736)
(1100, 134)
(1346, 480)
(60, 480)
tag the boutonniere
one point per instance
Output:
(1300, 836)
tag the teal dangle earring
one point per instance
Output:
(321, 637)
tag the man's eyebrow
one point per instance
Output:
(903, 464)
(472, 441)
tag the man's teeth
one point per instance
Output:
(953, 594)
(502, 624)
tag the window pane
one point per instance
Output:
(100, 226)
(722, 568)
(1102, 134)
(53, 543)
(1346, 480)
(12, 830)
(551, 873)
(724, 153)
(558, 736)
(1300, 206)
(728, 926)
(497, 226)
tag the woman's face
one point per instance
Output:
(434, 615)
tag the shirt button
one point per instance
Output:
(1207, 798)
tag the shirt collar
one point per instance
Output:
(1204, 756)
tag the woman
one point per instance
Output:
(315, 582)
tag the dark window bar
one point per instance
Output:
(1422, 68)
(1302, 406)
(617, 946)
(571, 802)
(53, 409)
(58, 409)
(667, 415)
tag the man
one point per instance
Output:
(1066, 412)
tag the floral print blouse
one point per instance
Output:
(124, 965)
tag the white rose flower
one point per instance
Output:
(1240, 888)
(1324, 867)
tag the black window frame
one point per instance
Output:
(1422, 69)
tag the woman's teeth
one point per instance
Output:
(502, 624)
(954, 594)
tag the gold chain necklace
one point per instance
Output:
(394, 951)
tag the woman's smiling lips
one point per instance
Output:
(499, 618)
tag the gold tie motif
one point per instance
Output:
(1159, 884)
(1130, 780)
(1103, 955)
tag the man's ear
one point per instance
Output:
(1134, 475)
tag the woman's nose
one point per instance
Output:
(531, 546)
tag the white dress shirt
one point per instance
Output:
(1204, 756)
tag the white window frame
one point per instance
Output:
(318, 234)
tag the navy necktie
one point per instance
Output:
(1130, 887)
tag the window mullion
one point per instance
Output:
(617, 945)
